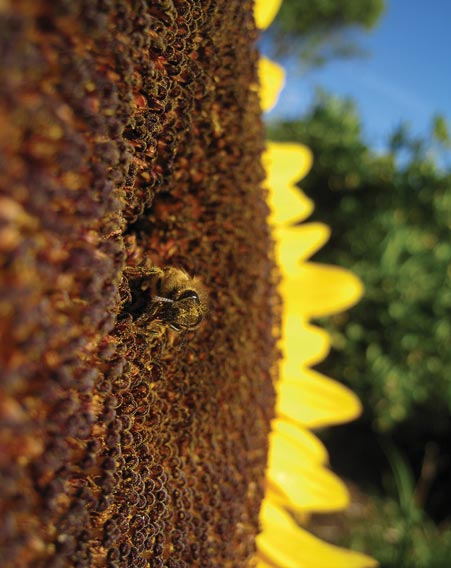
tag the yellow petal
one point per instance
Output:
(286, 164)
(314, 400)
(296, 244)
(302, 484)
(284, 544)
(320, 290)
(306, 442)
(303, 344)
(287, 161)
(272, 79)
(265, 11)
(288, 205)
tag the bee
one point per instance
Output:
(180, 299)
(171, 297)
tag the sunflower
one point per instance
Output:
(131, 145)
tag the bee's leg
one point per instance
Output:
(183, 341)
(150, 325)
(154, 270)
(134, 272)
(139, 277)
(156, 329)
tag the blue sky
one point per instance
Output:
(405, 76)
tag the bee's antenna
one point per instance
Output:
(161, 299)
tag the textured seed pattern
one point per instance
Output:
(130, 136)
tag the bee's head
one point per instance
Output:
(185, 312)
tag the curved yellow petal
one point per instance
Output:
(294, 206)
(272, 79)
(265, 11)
(292, 160)
(305, 442)
(283, 544)
(304, 345)
(314, 400)
(302, 484)
(286, 162)
(296, 244)
(273, 495)
(320, 290)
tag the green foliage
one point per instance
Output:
(440, 130)
(391, 221)
(318, 31)
(304, 16)
(401, 534)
